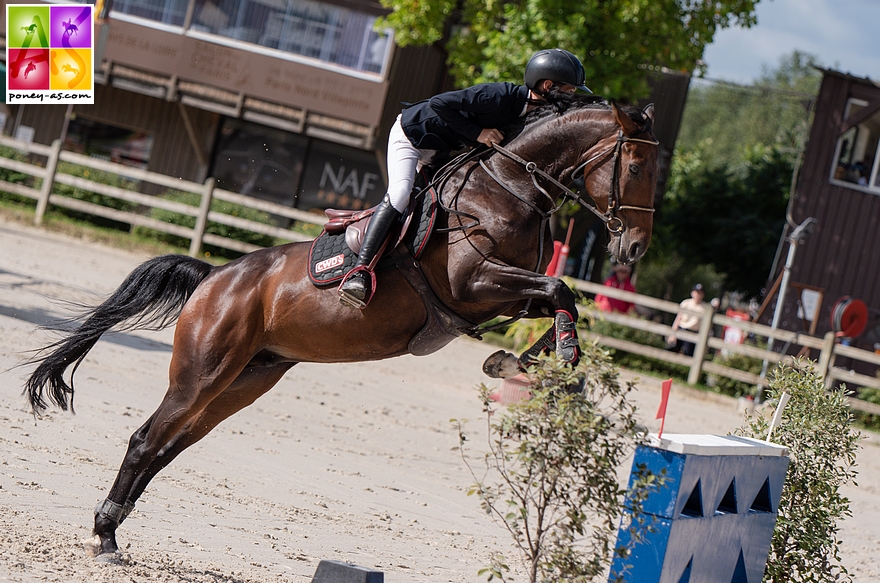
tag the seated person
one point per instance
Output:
(619, 279)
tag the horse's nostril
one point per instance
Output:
(635, 251)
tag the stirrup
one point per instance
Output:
(347, 299)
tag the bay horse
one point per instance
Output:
(242, 326)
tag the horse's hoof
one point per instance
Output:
(102, 549)
(501, 365)
(92, 546)
(116, 558)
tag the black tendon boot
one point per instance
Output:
(355, 289)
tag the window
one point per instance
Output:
(107, 142)
(856, 156)
(258, 161)
(313, 29)
(171, 12)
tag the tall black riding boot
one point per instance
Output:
(356, 286)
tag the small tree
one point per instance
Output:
(816, 429)
(550, 473)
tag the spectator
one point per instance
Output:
(619, 279)
(686, 321)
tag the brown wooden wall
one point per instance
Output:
(416, 73)
(842, 254)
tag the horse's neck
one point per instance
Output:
(559, 146)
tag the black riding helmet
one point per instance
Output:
(558, 65)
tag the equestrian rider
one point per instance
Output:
(445, 123)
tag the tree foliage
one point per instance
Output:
(725, 202)
(817, 430)
(617, 40)
(731, 217)
(725, 121)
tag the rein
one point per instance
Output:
(609, 216)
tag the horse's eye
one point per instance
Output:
(634, 170)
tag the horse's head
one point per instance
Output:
(621, 178)
(613, 149)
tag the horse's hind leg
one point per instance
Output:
(183, 417)
(247, 388)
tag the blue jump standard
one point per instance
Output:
(713, 520)
(339, 572)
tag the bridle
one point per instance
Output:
(608, 217)
(612, 222)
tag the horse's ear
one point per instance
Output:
(649, 112)
(628, 126)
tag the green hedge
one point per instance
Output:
(636, 361)
(85, 195)
(227, 208)
(16, 177)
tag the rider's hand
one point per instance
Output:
(490, 136)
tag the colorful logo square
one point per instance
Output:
(27, 26)
(50, 53)
(69, 69)
(71, 26)
(28, 69)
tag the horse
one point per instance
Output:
(241, 326)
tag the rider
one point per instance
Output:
(445, 123)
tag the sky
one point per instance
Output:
(843, 34)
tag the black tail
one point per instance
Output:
(151, 297)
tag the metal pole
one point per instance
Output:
(797, 236)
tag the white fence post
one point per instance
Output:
(826, 358)
(195, 244)
(48, 182)
(702, 346)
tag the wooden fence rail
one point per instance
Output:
(825, 350)
(48, 175)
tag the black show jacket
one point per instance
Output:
(451, 120)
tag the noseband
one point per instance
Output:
(612, 222)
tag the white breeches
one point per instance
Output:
(404, 160)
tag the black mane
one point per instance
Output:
(558, 103)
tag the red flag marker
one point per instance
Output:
(661, 410)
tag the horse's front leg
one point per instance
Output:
(503, 283)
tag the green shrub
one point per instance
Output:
(727, 386)
(817, 429)
(636, 361)
(16, 177)
(868, 420)
(85, 195)
(550, 475)
(227, 208)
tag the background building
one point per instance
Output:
(839, 186)
(286, 100)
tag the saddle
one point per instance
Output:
(334, 252)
